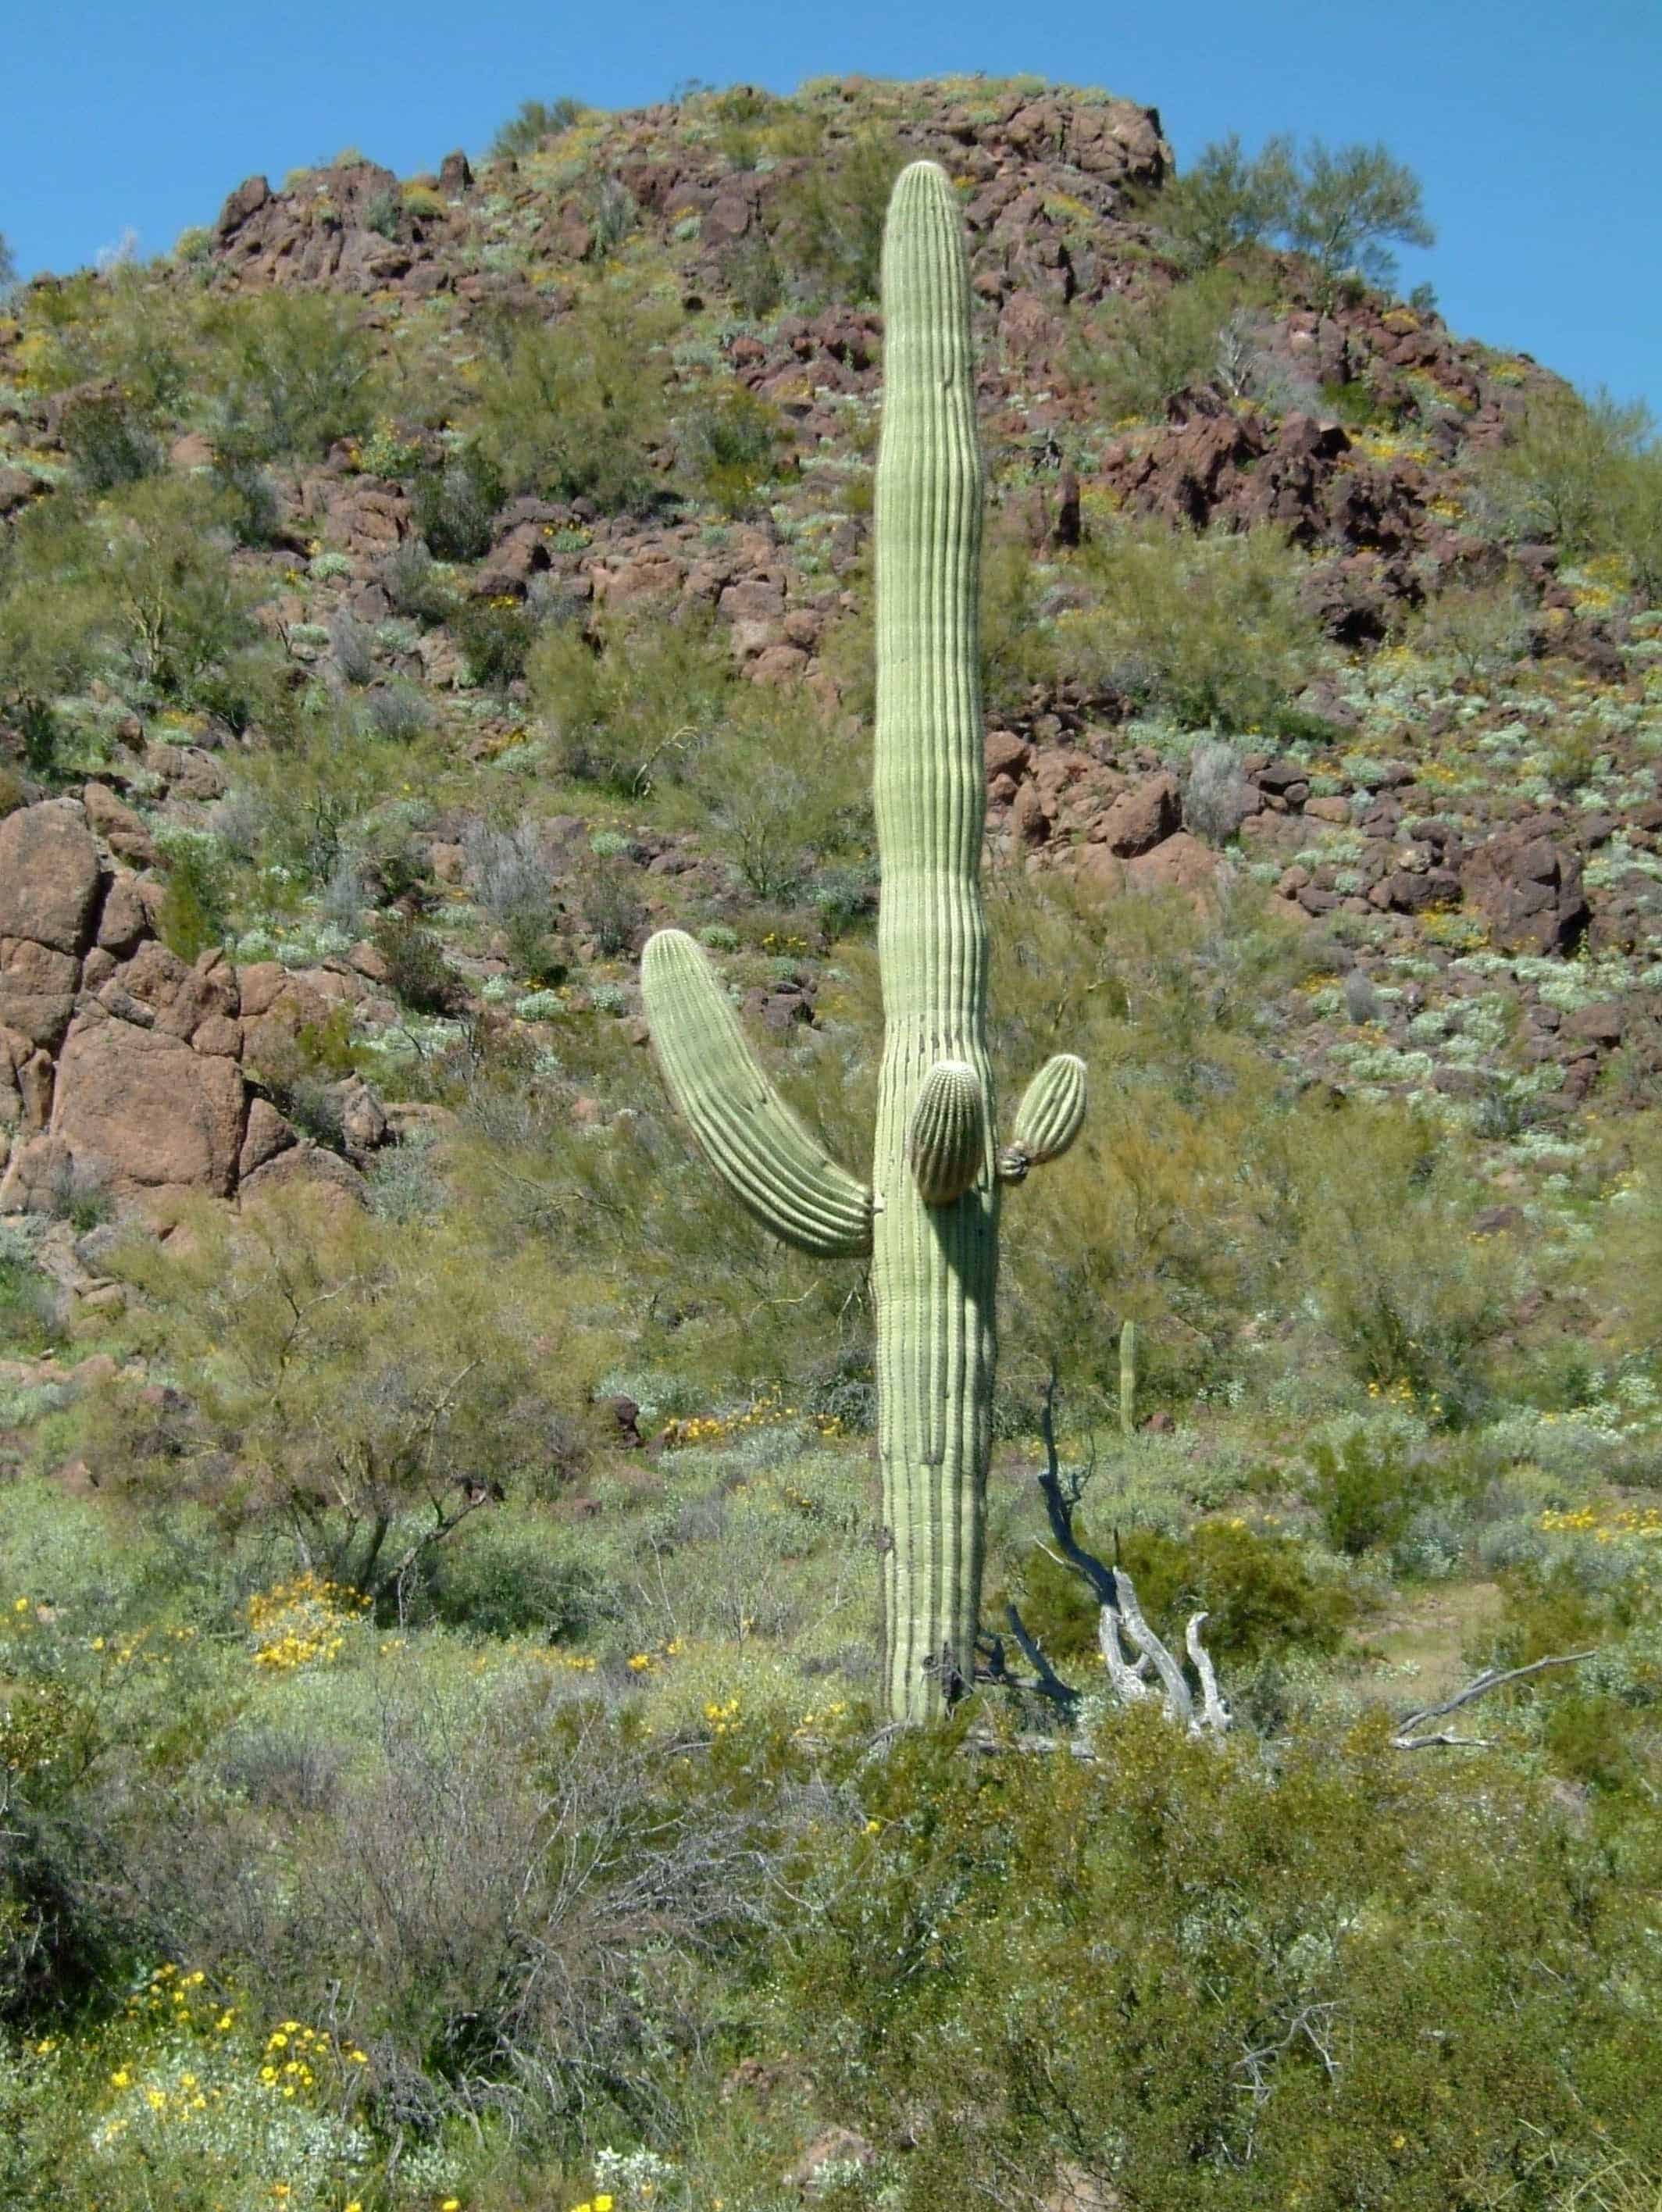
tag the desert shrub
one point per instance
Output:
(1588, 473)
(399, 711)
(1140, 354)
(295, 372)
(309, 802)
(1249, 2030)
(147, 594)
(1478, 628)
(55, 624)
(1347, 207)
(511, 876)
(613, 911)
(1342, 206)
(828, 232)
(1212, 630)
(185, 620)
(751, 272)
(636, 707)
(1411, 1299)
(7, 264)
(418, 968)
(729, 442)
(351, 647)
(29, 1318)
(1366, 1487)
(412, 585)
(380, 1384)
(515, 1572)
(194, 911)
(613, 214)
(1216, 794)
(1261, 1596)
(109, 441)
(781, 792)
(578, 405)
(533, 121)
(496, 636)
(456, 506)
(12, 792)
(1018, 648)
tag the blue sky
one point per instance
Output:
(1533, 123)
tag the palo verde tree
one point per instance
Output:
(929, 1218)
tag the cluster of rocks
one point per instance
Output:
(1117, 822)
(126, 1073)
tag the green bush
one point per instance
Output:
(728, 443)
(1203, 1979)
(1259, 1593)
(456, 506)
(781, 792)
(1225, 202)
(515, 1572)
(635, 708)
(577, 408)
(1586, 473)
(1342, 206)
(496, 636)
(1366, 1488)
(109, 441)
(1212, 630)
(828, 232)
(294, 372)
(418, 968)
(1140, 354)
(195, 909)
(532, 122)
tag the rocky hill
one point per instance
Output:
(441, 1762)
(1448, 769)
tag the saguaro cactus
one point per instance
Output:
(929, 1219)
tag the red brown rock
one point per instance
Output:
(49, 879)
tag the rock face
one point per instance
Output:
(121, 1065)
(1528, 885)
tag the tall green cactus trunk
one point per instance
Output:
(930, 1221)
(934, 1267)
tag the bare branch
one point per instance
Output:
(1407, 1738)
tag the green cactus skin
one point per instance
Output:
(1051, 1116)
(946, 1136)
(930, 1220)
(1128, 1379)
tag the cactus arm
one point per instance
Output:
(757, 1145)
(946, 1137)
(1052, 1112)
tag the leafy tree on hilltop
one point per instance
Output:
(1342, 206)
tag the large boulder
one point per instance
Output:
(155, 1114)
(1527, 884)
(49, 878)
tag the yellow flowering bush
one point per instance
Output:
(303, 1622)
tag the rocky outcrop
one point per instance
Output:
(1527, 882)
(121, 1065)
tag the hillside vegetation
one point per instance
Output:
(440, 1767)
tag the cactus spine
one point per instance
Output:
(931, 1219)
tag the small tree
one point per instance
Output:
(534, 121)
(7, 264)
(1343, 207)
(1348, 206)
(1227, 201)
